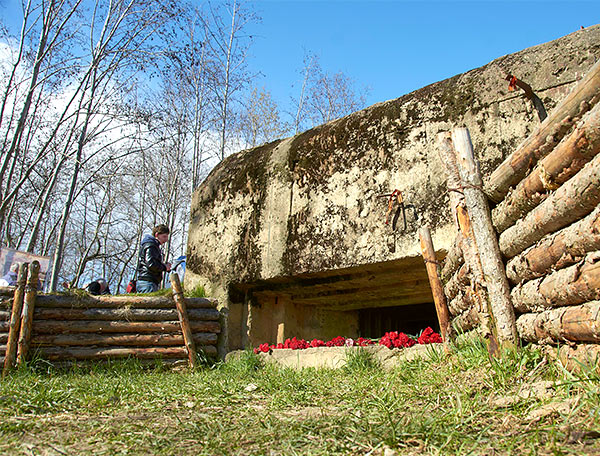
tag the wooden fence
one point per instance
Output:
(543, 228)
(81, 327)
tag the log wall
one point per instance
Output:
(74, 328)
(545, 210)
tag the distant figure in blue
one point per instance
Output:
(10, 279)
(150, 263)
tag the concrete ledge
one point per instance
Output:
(335, 357)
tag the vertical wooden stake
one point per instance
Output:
(439, 298)
(466, 241)
(28, 307)
(485, 239)
(15, 320)
(183, 319)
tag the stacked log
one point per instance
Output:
(73, 327)
(577, 324)
(555, 169)
(557, 250)
(547, 223)
(516, 166)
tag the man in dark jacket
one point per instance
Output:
(150, 264)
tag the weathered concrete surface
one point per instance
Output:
(273, 222)
(336, 357)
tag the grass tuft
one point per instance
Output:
(359, 360)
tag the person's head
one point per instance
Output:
(103, 284)
(161, 232)
(14, 267)
(94, 288)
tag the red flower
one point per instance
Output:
(256, 352)
(317, 343)
(428, 336)
(264, 348)
(362, 342)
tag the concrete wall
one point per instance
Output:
(309, 204)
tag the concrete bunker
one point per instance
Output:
(366, 300)
(290, 238)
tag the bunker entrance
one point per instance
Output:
(409, 319)
(366, 300)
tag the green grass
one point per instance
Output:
(458, 404)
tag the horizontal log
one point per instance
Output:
(61, 353)
(466, 321)
(454, 260)
(461, 302)
(573, 285)
(2, 350)
(3, 338)
(457, 282)
(128, 314)
(4, 326)
(574, 357)
(137, 327)
(7, 291)
(578, 324)
(550, 173)
(572, 201)
(512, 170)
(127, 340)
(115, 302)
(557, 250)
(4, 315)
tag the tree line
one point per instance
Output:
(113, 111)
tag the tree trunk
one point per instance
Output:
(550, 173)
(485, 239)
(572, 201)
(573, 285)
(558, 250)
(512, 170)
(578, 324)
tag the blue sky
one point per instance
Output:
(395, 47)
(392, 46)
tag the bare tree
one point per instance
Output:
(324, 97)
(260, 121)
(310, 62)
(229, 46)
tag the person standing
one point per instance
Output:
(150, 262)
(10, 279)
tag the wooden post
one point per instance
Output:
(188, 338)
(485, 239)
(15, 320)
(27, 318)
(439, 299)
(465, 240)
